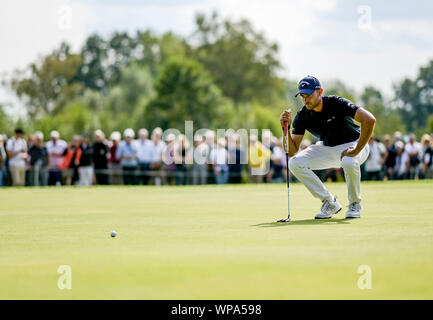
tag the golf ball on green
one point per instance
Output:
(113, 233)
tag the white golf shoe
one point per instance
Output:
(354, 211)
(328, 209)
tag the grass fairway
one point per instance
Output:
(215, 242)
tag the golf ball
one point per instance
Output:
(113, 233)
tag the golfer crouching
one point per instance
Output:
(342, 144)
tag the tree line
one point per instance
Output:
(224, 75)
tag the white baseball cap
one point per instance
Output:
(115, 135)
(128, 133)
(39, 135)
(54, 134)
(99, 133)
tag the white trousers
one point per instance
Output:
(319, 157)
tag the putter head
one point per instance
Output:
(284, 220)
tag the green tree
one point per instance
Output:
(415, 98)
(337, 87)
(133, 89)
(104, 59)
(242, 61)
(46, 87)
(6, 124)
(76, 118)
(184, 91)
(156, 51)
(388, 120)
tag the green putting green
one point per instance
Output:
(215, 242)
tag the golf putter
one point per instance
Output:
(286, 150)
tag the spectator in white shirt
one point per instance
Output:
(56, 148)
(144, 155)
(414, 150)
(375, 160)
(17, 153)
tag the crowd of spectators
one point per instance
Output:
(170, 160)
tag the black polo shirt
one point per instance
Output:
(334, 125)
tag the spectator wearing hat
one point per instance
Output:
(56, 148)
(85, 168)
(127, 154)
(3, 157)
(414, 150)
(114, 163)
(157, 148)
(17, 153)
(144, 147)
(100, 158)
(38, 161)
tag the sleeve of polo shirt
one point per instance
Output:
(298, 124)
(347, 107)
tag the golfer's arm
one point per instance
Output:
(294, 143)
(367, 121)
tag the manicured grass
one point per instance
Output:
(215, 242)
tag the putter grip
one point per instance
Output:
(286, 137)
(285, 128)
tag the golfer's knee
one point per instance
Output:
(295, 164)
(349, 163)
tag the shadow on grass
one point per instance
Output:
(306, 222)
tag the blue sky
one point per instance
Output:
(326, 38)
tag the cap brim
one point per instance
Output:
(305, 91)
